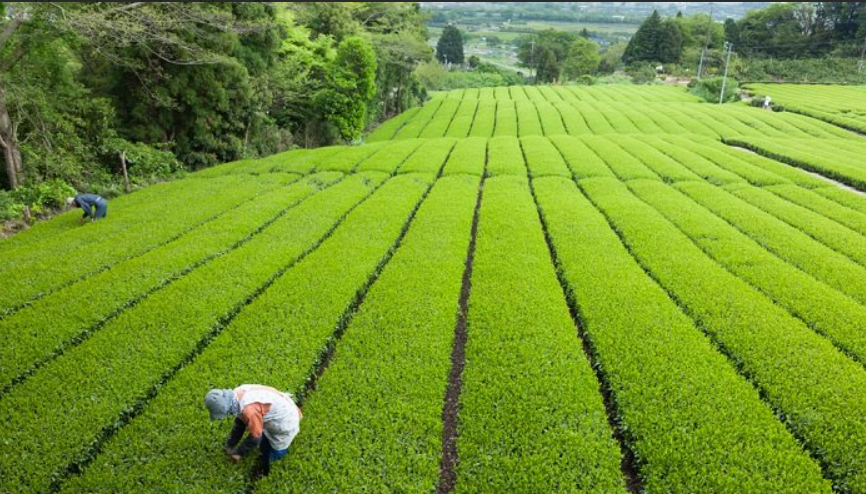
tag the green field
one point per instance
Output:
(844, 106)
(508, 32)
(612, 293)
(504, 54)
(597, 110)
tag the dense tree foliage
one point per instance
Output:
(555, 55)
(732, 32)
(88, 87)
(436, 76)
(656, 40)
(582, 59)
(694, 29)
(801, 30)
(352, 85)
(449, 48)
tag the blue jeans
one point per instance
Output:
(270, 454)
(101, 209)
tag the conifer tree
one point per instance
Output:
(450, 46)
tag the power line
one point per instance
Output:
(804, 42)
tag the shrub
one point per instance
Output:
(38, 197)
(435, 77)
(710, 89)
(9, 209)
(144, 162)
(641, 73)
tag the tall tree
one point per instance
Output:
(643, 46)
(449, 48)
(546, 51)
(399, 36)
(548, 68)
(838, 21)
(732, 32)
(694, 31)
(774, 31)
(655, 41)
(353, 85)
(207, 112)
(582, 59)
(170, 33)
(670, 45)
(335, 19)
(557, 41)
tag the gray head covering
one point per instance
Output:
(221, 402)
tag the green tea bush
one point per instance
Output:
(778, 351)
(818, 156)
(528, 388)
(836, 315)
(32, 272)
(117, 366)
(412, 301)
(820, 70)
(34, 332)
(667, 374)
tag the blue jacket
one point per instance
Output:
(87, 202)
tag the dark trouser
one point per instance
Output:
(269, 454)
(101, 209)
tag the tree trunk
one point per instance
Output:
(9, 142)
(125, 173)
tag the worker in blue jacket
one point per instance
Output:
(95, 207)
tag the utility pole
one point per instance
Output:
(730, 48)
(532, 61)
(862, 52)
(706, 43)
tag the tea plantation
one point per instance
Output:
(517, 289)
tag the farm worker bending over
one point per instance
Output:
(270, 416)
(89, 202)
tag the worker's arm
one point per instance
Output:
(86, 206)
(252, 417)
(236, 434)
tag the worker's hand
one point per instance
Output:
(230, 452)
(80, 220)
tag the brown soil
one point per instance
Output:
(448, 464)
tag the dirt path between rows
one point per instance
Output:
(448, 463)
